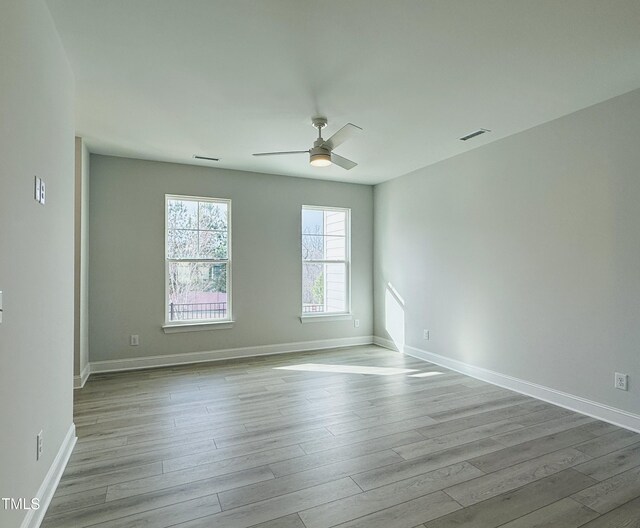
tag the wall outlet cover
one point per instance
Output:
(620, 381)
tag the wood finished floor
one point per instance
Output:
(248, 444)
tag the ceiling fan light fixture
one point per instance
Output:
(320, 160)
(320, 157)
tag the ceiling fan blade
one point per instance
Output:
(281, 153)
(342, 162)
(342, 135)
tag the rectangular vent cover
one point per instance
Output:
(474, 134)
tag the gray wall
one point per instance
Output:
(81, 260)
(36, 248)
(126, 284)
(523, 256)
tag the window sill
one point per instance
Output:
(304, 319)
(196, 327)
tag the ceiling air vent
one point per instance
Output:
(478, 132)
(206, 158)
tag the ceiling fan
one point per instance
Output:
(321, 154)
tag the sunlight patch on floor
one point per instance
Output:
(426, 374)
(347, 369)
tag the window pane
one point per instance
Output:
(324, 288)
(312, 221)
(182, 243)
(335, 287)
(197, 290)
(334, 248)
(335, 223)
(312, 288)
(213, 245)
(213, 216)
(312, 247)
(182, 214)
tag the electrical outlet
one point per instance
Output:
(134, 340)
(425, 335)
(39, 445)
(356, 323)
(620, 381)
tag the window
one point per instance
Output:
(198, 259)
(325, 260)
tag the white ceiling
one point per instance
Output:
(166, 79)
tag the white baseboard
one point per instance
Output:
(33, 519)
(568, 401)
(114, 365)
(385, 343)
(79, 381)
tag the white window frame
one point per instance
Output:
(196, 324)
(331, 316)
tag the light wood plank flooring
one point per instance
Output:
(357, 437)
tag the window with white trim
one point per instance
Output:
(198, 260)
(326, 249)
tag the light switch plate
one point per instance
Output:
(36, 190)
(42, 192)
